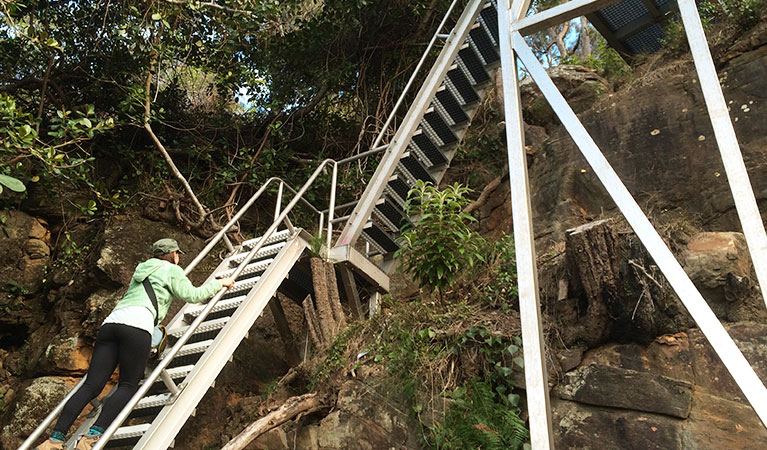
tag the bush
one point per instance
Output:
(440, 244)
(742, 13)
(502, 290)
(605, 60)
(737, 16)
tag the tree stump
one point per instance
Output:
(593, 263)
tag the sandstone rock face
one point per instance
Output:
(580, 85)
(67, 352)
(658, 137)
(628, 389)
(671, 394)
(710, 257)
(34, 403)
(25, 244)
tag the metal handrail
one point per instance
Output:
(217, 238)
(413, 75)
(158, 371)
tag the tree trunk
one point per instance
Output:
(312, 323)
(335, 299)
(321, 300)
(558, 36)
(584, 47)
(293, 407)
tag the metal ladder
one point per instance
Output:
(158, 417)
(204, 336)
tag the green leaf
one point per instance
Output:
(156, 16)
(519, 362)
(12, 183)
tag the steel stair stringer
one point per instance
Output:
(168, 422)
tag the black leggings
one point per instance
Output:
(115, 344)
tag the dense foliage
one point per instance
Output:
(723, 20)
(235, 90)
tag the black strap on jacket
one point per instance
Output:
(153, 297)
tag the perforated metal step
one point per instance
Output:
(433, 122)
(412, 169)
(428, 150)
(446, 101)
(265, 252)
(470, 62)
(380, 239)
(460, 85)
(390, 215)
(397, 190)
(484, 45)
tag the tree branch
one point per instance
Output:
(209, 5)
(43, 90)
(148, 127)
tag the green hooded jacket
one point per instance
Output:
(169, 282)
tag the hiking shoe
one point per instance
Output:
(50, 444)
(87, 442)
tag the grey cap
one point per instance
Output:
(165, 246)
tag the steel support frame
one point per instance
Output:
(732, 358)
(536, 376)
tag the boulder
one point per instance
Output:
(99, 305)
(25, 245)
(673, 394)
(587, 427)
(362, 421)
(628, 389)
(359, 421)
(720, 266)
(33, 404)
(67, 352)
(128, 241)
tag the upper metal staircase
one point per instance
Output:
(426, 141)
(204, 337)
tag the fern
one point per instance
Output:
(476, 419)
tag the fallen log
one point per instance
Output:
(294, 406)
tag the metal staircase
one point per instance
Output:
(204, 337)
(426, 142)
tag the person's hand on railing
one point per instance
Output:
(227, 282)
